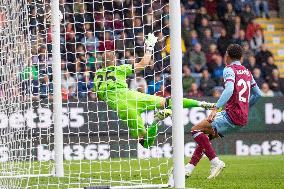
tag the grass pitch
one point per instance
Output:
(252, 172)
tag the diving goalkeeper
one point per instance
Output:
(111, 87)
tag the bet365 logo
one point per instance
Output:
(273, 115)
(273, 147)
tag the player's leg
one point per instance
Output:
(219, 127)
(200, 133)
(196, 156)
(151, 102)
(149, 138)
(136, 126)
(188, 103)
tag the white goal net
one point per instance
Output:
(98, 147)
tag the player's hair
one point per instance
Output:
(108, 58)
(235, 51)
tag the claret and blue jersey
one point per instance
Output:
(240, 93)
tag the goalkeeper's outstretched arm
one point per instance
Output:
(150, 43)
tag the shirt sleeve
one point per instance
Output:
(127, 69)
(229, 80)
(228, 75)
(226, 95)
(253, 83)
(256, 94)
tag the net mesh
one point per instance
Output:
(98, 148)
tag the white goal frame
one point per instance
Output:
(177, 94)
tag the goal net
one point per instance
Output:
(16, 126)
(98, 147)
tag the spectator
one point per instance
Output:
(210, 56)
(206, 83)
(223, 42)
(168, 46)
(217, 73)
(216, 93)
(187, 80)
(123, 43)
(80, 18)
(275, 83)
(81, 46)
(149, 72)
(94, 62)
(107, 43)
(68, 86)
(257, 41)
(194, 92)
(184, 13)
(251, 63)
(155, 85)
(229, 18)
(221, 8)
(266, 92)
(160, 56)
(193, 40)
(30, 73)
(186, 31)
(238, 5)
(85, 85)
(78, 5)
(257, 77)
(163, 92)
(138, 84)
(117, 23)
(211, 7)
(197, 58)
(251, 29)
(207, 40)
(70, 42)
(262, 55)
(269, 67)
(139, 44)
(241, 37)
(138, 28)
(246, 53)
(247, 15)
(191, 5)
(238, 30)
(90, 41)
(69, 32)
(204, 25)
(45, 87)
(264, 5)
(165, 26)
(202, 13)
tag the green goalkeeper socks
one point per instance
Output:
(187, 103)
(151, 135)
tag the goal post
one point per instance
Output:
(57, 96)
(177, 94)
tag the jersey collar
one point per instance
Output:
(236, 62)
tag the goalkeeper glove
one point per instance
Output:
(150, 42)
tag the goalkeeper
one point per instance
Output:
(111, 87)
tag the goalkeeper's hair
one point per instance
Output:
(108, 58)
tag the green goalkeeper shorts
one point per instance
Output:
(130, 104)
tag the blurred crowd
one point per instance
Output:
(88, 28)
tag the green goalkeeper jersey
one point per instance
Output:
(112, 78)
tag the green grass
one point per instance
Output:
(240, 172)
